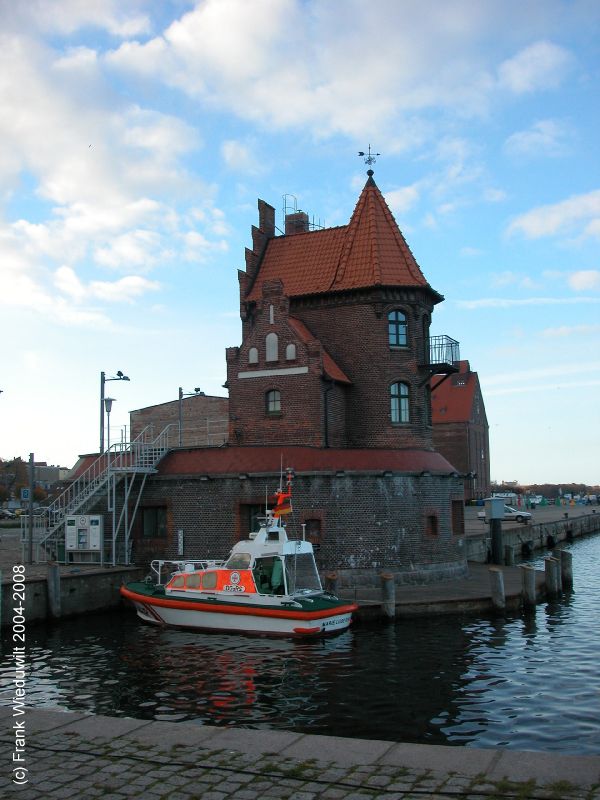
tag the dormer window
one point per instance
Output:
(253, 355)
(397, 329)
(271, 347)
(290, 352)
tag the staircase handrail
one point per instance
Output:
(126, 455)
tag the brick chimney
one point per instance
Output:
(296, 223)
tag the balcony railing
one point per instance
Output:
(444, 350)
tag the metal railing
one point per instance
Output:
(443, 350)
(140, 456)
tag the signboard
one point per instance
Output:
(25, 494)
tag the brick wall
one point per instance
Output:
(204, 420)
(368, 522)
(354, 330)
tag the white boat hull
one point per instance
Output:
(240, 621)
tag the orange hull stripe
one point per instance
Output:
(239, 610)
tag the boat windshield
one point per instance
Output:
(301, 573)
(238, 561)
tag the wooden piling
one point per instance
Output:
(53, 588)
(566, 569)
(331, 582)
(388, 594)
(509, 555)
(496, 540)
(528, 586)
(497, 586)
(552, 575)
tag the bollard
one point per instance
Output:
(566, 569)
(509, 555)
(496, 536)
(331, 582)
(551, 571)
(53, 587)
(388, 594)
(497, 585)
(528, 586)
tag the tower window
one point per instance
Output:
(399, 396)
(271, 347)
(397, 329)
(273, 402)
(253, 355)
(290, 352)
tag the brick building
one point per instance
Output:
(332, 377)
(460, 428)
(204, 419)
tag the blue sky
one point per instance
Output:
(136, 137)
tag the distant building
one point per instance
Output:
(460, 428)
(204, 420)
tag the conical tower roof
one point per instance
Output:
(375, 252)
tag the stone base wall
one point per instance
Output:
(360, 523)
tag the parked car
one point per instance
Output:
(5, 513)
(511, 513)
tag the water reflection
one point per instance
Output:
(527, 682)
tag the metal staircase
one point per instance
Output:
(122, 463)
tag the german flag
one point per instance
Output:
(284, 503)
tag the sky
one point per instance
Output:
(137, 135)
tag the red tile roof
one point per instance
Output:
(453, 400)
(249, 460)
(369, 251)
(330, 367)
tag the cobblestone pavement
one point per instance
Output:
(70, 755)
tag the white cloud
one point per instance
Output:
(67, 16)
(585, 368)
(584, 279)
(403, 199)
(239, 157)
(542, 65)
(292, 64)
(494, 195)
(138, 249)
(124, 290)
(508, 278)
(516, 302)
(570, 330)
(579, 214)
(547, 137)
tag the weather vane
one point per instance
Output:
(369, 157)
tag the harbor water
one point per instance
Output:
(527, 682)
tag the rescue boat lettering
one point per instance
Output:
(232, 587)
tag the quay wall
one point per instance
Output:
(525, 539)
(79, 593)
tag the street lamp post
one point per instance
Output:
(108, 401)
(103, 379)
(183, 394)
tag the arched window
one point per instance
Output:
(273, 402)
(397, 329)
(399, 396)
(253, 355)
(272, 347)
(290, 352)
